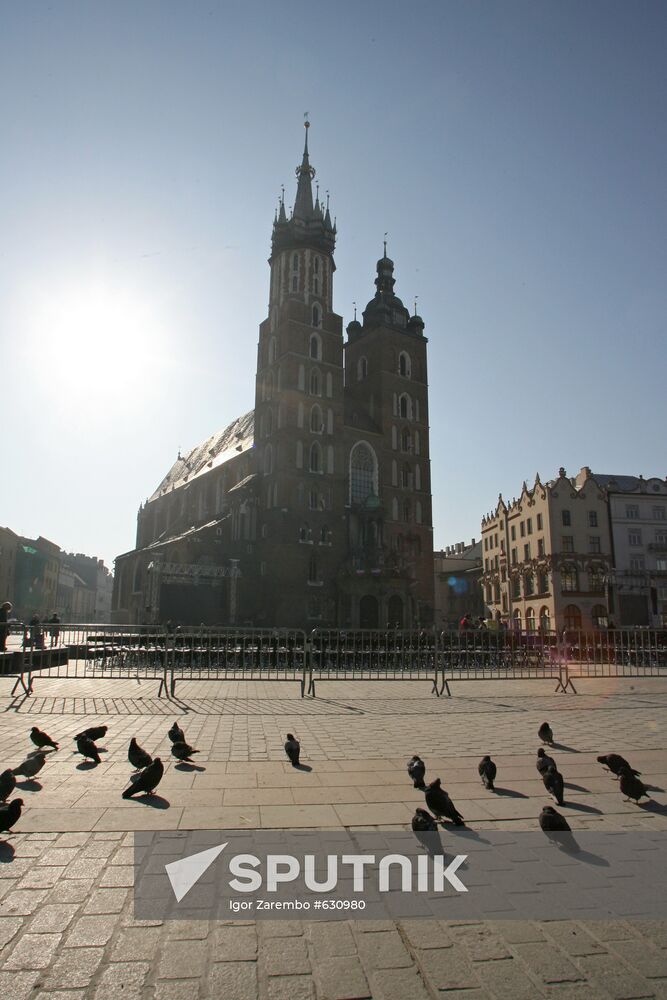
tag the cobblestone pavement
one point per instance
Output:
(66, 919)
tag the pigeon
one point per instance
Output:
(93, 733)
(7, 784)
(146, 782)
(544, 761)
(137, 756)
(10, 814)
(176, 734)
(426, 831)
(553, 782)
(487, 772)
(552, 821)
(614, 762)
(42, 739)
(181, 751)
(31, 765)
(86, 747)
(417, 770)
(293, 749)
(441, 805)
(631, 786)
(545, 733)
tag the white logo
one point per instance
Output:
(185, 873)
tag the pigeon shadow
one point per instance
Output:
(154, 801)
(39, 750)
(575, 788)
(654, 807)
(653, 788)
(29, 785)
(581, 807)
(185, 766)
(565, 747)
(509, 793)
(430, 841)
(87, 765)
(7, 852)
(302, 767)
(465, 832)
(568, 844)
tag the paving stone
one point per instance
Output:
(122, 876)
(426, 933)
(448, 969)
(61, 995)
(279, 928)
(285, 956)
(397, 984)
(106, 901)
(517, 931)
(548, 964)
(17, 985)
(481, 943)
(33, 951)
(182, 958)
(52, 917)
(188, 930)
(41, 878)
(232, 979)
(135, 944)
(89, 931)
(572, 938)
(612, 975)
(22, 902)
(182, 989)
(74, 967)
(291, 988)
(122, 979)
(88, 868)
(341, 978)
(643, 957)
(235, 944)
(9, 927)
(71, 891)
(331, 939)
(383, 950)
(58, 856)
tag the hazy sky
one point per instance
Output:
(515, 152)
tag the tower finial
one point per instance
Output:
(416, 297)
(306, 125)
(355, 309)
(385, 243)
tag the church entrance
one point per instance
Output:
(368, 612)
(395, 612)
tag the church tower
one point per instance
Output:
(299, 416)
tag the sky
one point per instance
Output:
(515, 153)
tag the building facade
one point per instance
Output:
(315, 507)
(458, 589)
(548, 556)
(637, 510)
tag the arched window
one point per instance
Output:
(569, 578)
(406, 511)
(394, 438)
(315, 347)
(572, 617)
(528, 584)
(315, 457)
(405, 439)
(545, 620)
(516, 620)
(362, 369)
(406, 477)
(317, 314)
(394, 473)
(268, 422)
(316, 276)
(316, 424)
(295, 262)
(599, 616)
(363, 473)
(272, 350)
(315, 389)
(268, 460)
(324, 535)
(405, 406)
(530, 620)
(404, 366)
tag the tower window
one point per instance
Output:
(404, 365)
(315, 383)
(317, 314)
(316, 425)
(315, 457)
(405, 406)
(363, 473)
(362, 369)
(315, 346)
(295, 283)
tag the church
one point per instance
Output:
(313, 509)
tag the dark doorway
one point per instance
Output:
(368, 612)
(186, 604)
(395, 612)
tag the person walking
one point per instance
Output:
(54, 628)
(5, 608)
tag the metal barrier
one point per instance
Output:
(483, 655)
(616, 653)
(373, 655)
(276, 654)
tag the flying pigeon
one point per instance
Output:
(181, 751)
(31, 765)
(553, 782)
(176, 734)
(631, 786)
(544, 761)
(614, 762)
(10, 814)
(426, 830)
(545, 733)
(93, 733)
(441, 805)
(7, 784)
(487, 772)
(86, 747)
(137, 756)
(552, 821)
(42, 739)
(417, 771)
(293, 749)
(146, 782)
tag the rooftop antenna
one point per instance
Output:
(416, 297)
(385, 243)
(355, 309)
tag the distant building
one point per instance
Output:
(637, 510)
(36, 583)
(9, 543)
(315, 507)
(458, 590)
(548, 556)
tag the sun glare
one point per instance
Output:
(94, 340)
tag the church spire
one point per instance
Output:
(303, 206)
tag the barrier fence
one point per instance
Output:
(184, 654)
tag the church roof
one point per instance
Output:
(238, 437)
